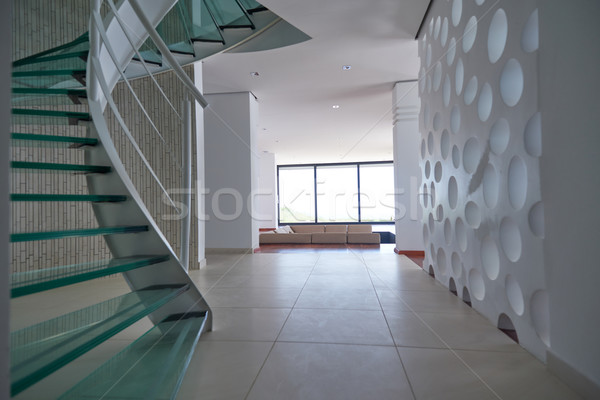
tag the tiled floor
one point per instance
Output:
(337, 324)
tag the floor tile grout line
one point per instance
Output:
(440, 339)
(280, 330)
(410, 385)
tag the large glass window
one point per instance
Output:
(297, 194)
(377, 193)
(326, 193)
(337, 193)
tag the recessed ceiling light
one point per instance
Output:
(346, 67)
(254, 74)
(335, 106)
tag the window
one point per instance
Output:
(337, 193)
(377, 193)
(296, 194)
(330, 193)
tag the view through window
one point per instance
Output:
(325, 193)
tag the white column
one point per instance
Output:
(407, 172)
(231, 171)
(266, 196)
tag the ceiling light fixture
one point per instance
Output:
(335, 106)
(346, 67)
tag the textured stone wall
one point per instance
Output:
(481, 143)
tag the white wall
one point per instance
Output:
(231, 172)
(5, 80)
(480, 160)
(407, 172)
(570, 167)
(266, 198)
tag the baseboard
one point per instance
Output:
(410, 253)
(232, 250)
(583, 385)
(198, 264)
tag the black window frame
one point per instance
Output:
(315, 166)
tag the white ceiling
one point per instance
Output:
(299, 84)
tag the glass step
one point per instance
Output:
(150, 56)
(66, 78)
(204, 25)
(95, 198)
(79, 44)
(96, 169)
(33, 236)
(230, 14)
(32, 139)
(253, 6)
(51, 92)
(26, 97)
(75, 56)
(175, 29)
(25, 283)
(41, 349)
(152, 367)
(47, 117)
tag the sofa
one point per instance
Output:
(320, 234)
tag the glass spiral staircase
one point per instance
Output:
(75, 218)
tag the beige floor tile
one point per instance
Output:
(517, 376)
(437, 374)
(339, 282)
(336, 326)
(408, 330)
(223, 370)
(246, 324)
(252, 297)
(348, 299)
(469, 331)
(305, 371)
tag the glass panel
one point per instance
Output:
(229, 14)
(29, 236)
(296, 195)
(337, 194)
(152, 367)
(377, 193)
(29, 282)
(204, 26)
(41, 349)
(175, 29)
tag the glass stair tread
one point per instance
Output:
(29, 282)
(204, 25)
(49, 235)
(99, 169)
(75, 55)
(253, 6)
(70, 141)
(68, 78)
(41, 349)
(47, 117)
(230, 14)
(152, 367)
(94, 198)
(51, 91)
(80, 43)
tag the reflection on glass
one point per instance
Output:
(296, 195)
(337, 193)
(377, 193)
